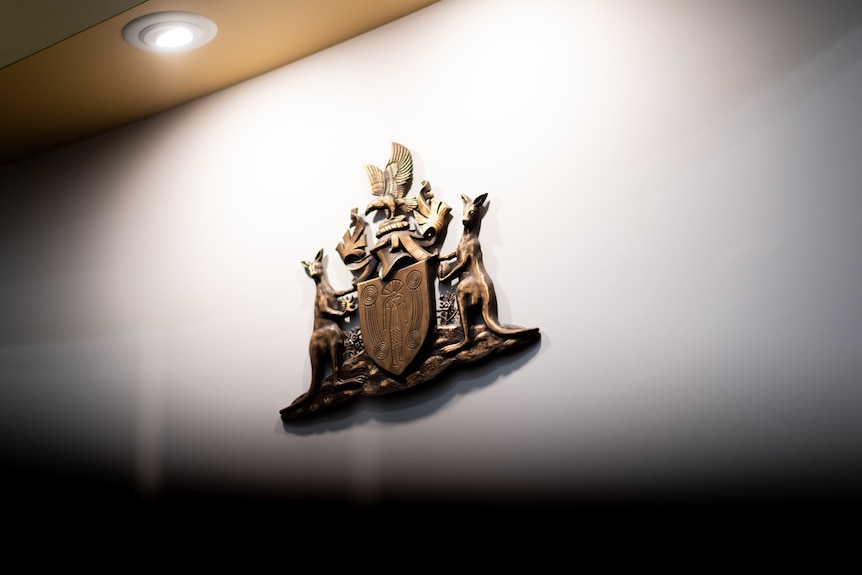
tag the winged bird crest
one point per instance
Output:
(390, 185)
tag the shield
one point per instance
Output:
(395, 315)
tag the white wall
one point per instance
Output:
(674, 201)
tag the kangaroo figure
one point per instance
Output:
(327, 339)
(475, 288)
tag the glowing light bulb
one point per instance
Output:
(174, 37)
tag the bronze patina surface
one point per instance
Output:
(402, 340)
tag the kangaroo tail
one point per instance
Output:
(507, 330)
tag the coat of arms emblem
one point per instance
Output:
(402, 339)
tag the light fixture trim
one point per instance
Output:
(144, 32)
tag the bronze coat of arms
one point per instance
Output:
(403, 340)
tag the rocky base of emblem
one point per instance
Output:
(378, 382)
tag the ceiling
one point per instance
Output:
(67, 74)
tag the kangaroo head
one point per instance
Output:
(472, 209)
(314, 268)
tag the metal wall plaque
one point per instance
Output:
(403, 340)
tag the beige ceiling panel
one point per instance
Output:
(93, 81)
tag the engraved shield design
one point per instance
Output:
(395, 316)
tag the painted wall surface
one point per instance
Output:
(675, 201)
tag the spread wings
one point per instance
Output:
(397, 178)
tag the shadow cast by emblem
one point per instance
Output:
(413, 403)
(422, 401)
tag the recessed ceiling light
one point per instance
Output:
(169, 31)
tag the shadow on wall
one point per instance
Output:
(417, 402)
